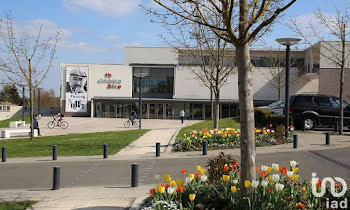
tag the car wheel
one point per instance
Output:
(309, 123)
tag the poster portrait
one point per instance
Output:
(76, 88)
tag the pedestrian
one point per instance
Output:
(36, 125)
(182, 116)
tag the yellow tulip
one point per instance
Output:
(295, 177)
(167, 177)
(179, 182)
(191, 176)
(160, 189)
(225, 178)
(198, 168)
(270, 178)
(295, 169)
(233, 189)
(268, 169)
(202, 171)
(247, 183)
(192, 197)
(172, 183)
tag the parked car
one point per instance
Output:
(314, 110)
(276, 107)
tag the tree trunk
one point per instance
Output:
(216, 110)
(341, 86)
(211, 102)
(279, 94)
(245, 87)
(31, 98)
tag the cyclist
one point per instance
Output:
(59, 118)
(132, 116)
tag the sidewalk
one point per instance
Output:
(121, 197)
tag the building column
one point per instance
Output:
(92, 108)
(192, 111)
(203, 111)
(164, 111)
(147, 108)
(156, 109)
(220, 111)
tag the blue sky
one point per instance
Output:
(96, 31)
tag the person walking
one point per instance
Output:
(182, 116)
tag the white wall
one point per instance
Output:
(328, 51)
(187, 86)
(150, 55)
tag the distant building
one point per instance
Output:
(112, 91)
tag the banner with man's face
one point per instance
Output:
(76, 88)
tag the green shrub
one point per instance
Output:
(215, 166)
(261, 117)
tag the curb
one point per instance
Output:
(169, 147)
(136, 205)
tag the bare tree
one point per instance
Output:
(26, 59)
(207, 56)
(336, 28)
(243, 22)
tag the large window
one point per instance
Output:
(158, 84)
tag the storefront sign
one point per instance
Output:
(111, 83)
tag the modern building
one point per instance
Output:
(101, 90)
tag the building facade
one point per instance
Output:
(99, 90)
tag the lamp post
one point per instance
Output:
(140, 75)
(23, 103)
(287, 42)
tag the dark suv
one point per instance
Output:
(315, 109)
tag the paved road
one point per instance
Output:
(116, 173)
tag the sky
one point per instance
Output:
(96, 31)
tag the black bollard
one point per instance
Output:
(105, 150)
(3, 154)
(205, 147)
(54, 152)
(157, 149)
(328, 139)
(336, 126)
(295, 141)
(134, 175)
(56, 177)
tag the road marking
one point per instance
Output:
(330, 160)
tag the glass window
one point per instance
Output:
(8, 108)
(302, 100)
(323, 101)
(158, 84)
(207, 111)
(0, 108)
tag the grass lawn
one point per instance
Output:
(209, 124)
(6, 123)
(16, 205)
(71, 145)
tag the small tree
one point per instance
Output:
(9, 93)
(243, 22)
(26, 59)
(336, 28)
(208, 57)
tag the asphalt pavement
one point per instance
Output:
(117, 173)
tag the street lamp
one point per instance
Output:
(287, 42)
(140, 75)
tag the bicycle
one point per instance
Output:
(54, 123)
(129, 122)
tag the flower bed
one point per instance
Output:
(275, 188)
(229, 138)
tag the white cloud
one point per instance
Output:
(110, 37)
(113, 8)
(123, 45)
